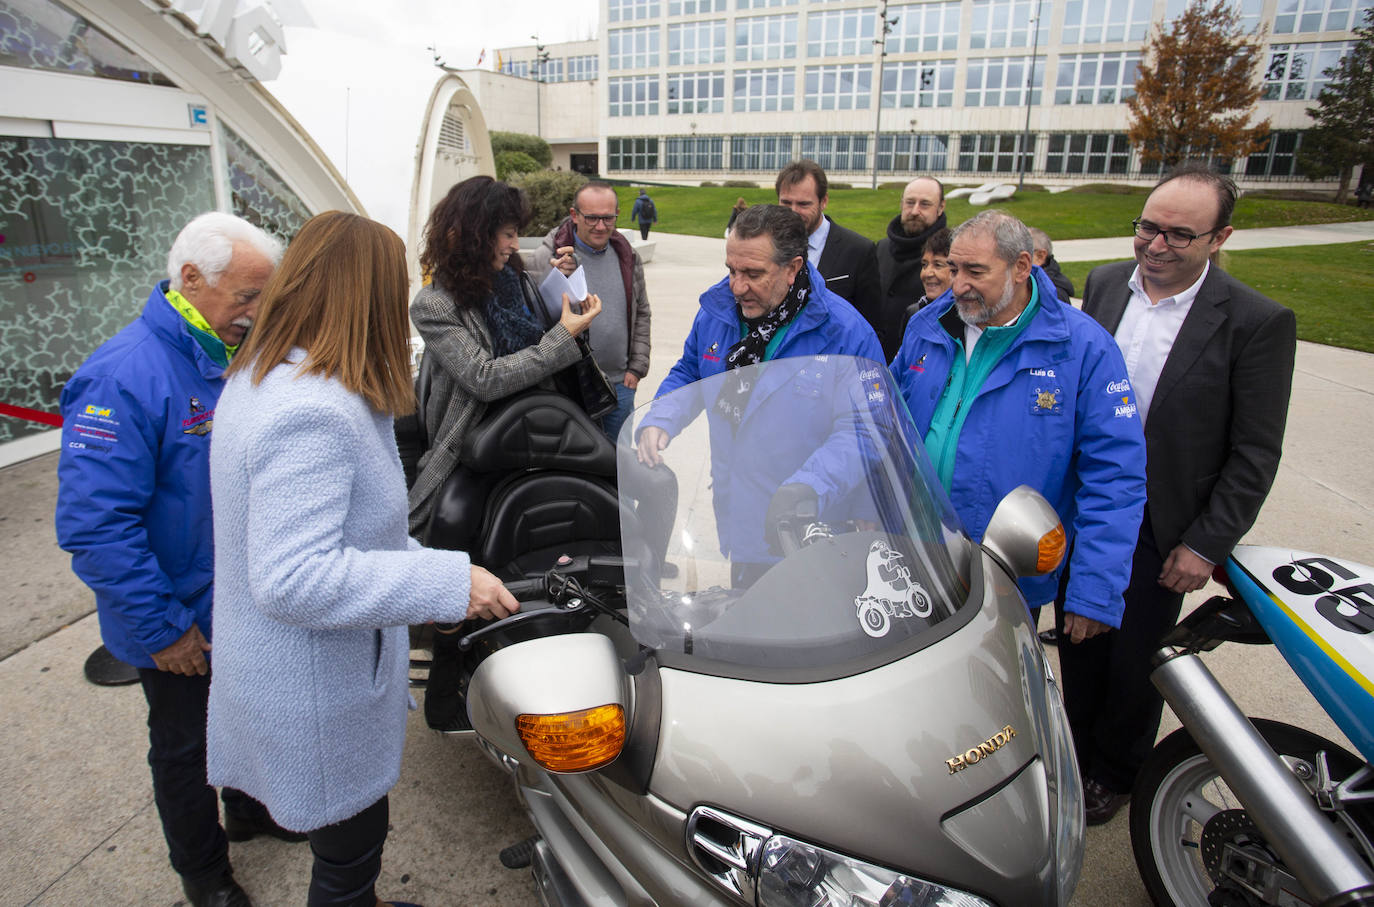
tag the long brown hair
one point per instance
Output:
(339, 294)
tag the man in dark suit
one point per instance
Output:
(1211, 362)
(847, 260)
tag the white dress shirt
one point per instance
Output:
(815, 243)
(1147, 333)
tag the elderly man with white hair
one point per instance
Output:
(133, 509)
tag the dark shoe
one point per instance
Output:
(221, 892)
(1100, 803)
(1050, 637)
(520, 854)
(239, 828)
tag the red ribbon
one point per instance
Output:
(32, 415)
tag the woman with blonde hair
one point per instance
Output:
(316, 578)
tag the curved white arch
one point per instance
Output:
(454, 145)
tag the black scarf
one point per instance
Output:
(906, 247)
(509, 320)
(753, 346)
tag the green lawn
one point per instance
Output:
(1329, 287)
(1082, 213)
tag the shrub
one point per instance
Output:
(741, 184)
(532, 145)
(834, 185)
(513, 163)
(551, 195)
(708, 183)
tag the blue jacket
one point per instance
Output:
(767, 436)
(1056, 413)
(133, 500)
(826, 324)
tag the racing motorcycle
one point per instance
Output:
(797, 681)
(1234, 812)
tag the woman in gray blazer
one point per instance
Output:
(480, 327)
(316, 577)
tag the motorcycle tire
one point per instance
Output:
(1178, 790)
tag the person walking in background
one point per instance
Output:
(644, 212)
(620, 343)
(317, 577)
(1211, 361)
(740, 205)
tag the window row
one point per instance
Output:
(559, 69)
(1061, 153)
(988, 82)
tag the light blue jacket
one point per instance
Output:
(133, 499)
(316, 580)
(1057, 413)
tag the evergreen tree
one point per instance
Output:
(1197, 89)
(1343, 134)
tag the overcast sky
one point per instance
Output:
(358, 81)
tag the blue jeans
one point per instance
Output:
(625, 404)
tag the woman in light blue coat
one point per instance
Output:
(316, 578)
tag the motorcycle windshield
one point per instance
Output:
(793, 527)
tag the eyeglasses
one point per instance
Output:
(1174, 239)
(606, 219)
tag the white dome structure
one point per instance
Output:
(120, 121)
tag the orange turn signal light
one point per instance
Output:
(1050, 550)
(574, 741)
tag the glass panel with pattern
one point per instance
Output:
(87, 226)
(41, 34)
(258, 193)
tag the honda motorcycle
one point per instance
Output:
(1233, 812)
(797, 682)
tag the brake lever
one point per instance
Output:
(466, 642)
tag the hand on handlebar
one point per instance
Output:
(794, 503)
(650, 444)
(488, 597)
(577, 323)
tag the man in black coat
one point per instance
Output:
(1044, 257)
(899, 257)
(1210, 362)
(846, 259)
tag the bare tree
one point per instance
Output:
(1197, 88)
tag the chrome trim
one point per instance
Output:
(738, 849)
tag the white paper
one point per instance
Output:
(556, 284)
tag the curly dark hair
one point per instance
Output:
(460, 238)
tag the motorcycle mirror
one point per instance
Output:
(1025, 534)
(560, 702)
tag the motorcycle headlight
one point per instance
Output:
(1068, 843)
(793, 873)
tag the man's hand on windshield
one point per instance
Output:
(1078, 628)
(650, 445)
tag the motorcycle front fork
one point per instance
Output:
(1315, 849)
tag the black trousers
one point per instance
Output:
(1113, 708)
(348, 859)
(644, 229)
(186, 802)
